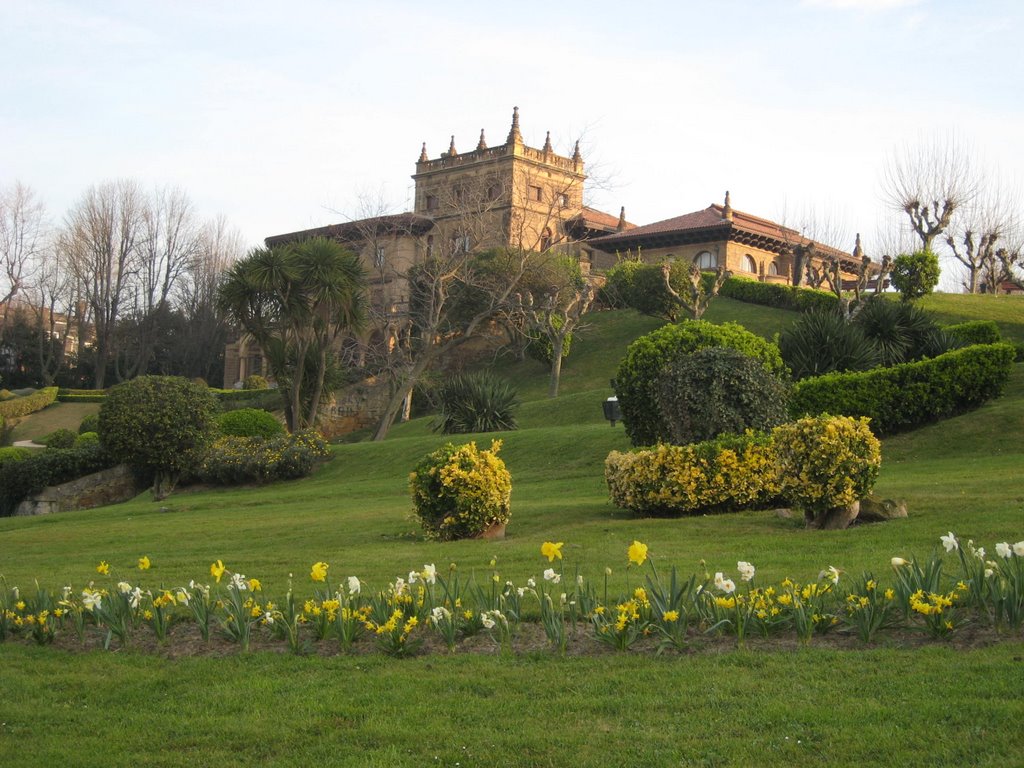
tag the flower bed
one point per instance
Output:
(659, 609)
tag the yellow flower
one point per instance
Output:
(144, 563)
(889, 594)
(671, 616)
(255, 585)
(103, 567)
(551, 550)
(319, 572)
(217, 570)
(637, 553)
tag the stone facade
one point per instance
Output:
(110, 486)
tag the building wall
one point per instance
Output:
(733, 254)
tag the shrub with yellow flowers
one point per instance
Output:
(459, 492)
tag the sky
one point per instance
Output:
(287, 115)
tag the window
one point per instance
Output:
(378, 257)
(536, 193)
(545, 239)
(430, 246)
(749, 265)
(431, 202)
(563, 200)
(706, 260)
(773, 268)
(494, 192)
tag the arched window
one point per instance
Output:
(749, 265)
(706, 260)
(773, 268)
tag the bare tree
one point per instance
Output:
(930, 181)
(102, 238)
(58, 312)
(697, 296)
(22, 240)
(981, 235)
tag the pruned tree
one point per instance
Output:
(697, 293)
(981, 237)
(929, 181)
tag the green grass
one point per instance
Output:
(1006, 311)
(52, 418)
(933, 705)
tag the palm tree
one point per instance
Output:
(295, 301)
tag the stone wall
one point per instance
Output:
(110, 486)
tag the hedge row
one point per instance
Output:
(22, 477)
(232, 460)
(23, 406)
(94, 396)
(975, 332)
(777, 295)
(907, 396)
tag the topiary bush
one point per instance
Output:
(976, 332)
(160, 426)
(825, 464)
(910, 395)
(87, 438)
(460, 492)
(90, 423)
(915, 274)
(255, 381)
(475, 402)
(234, 460)
(719, 390)
(249, 422)
(60, 438)
(636, 380)
(24, 405)
(719, 475)
(797, 298)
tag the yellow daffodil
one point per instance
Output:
(319, 571)
(103, 567)
(255, 585)
(144, 563)
(550, 550)
(637, 553)
(217, 570)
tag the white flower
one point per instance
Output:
(521, 591)
(268, 617)
(728, 586)
(949, 541)
(550, 575)
(135, 596)
(91, 600)
(487, 621)
(579, 580)
(988, 573)
(399, 586)
(1003, 549)
(182, 597)
(980, 552)
(429, 574)
(564, 598)
(354, 586)
(719, 579)
(439, 614)
(831, 573)
(531, 582)
(898, 562)
(746, 570)
(17, 593)
(1018, 549)
(64, 593)
(413, 577)
(124, 587)
(239, 582)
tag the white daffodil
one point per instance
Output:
(719, 579)
(413, 577)
(135, 597)
(239, 582)
(550, 575)
(831, 573)
(746, 570)
(579, 580)
(531, 582)
(354, 587)
(429, 573)
(124, 587)
(949, 541)
(92, 600)
(1003, 549)
(399, 586)
(521, 591)
(728, 586)
(487, 621)
(268, 618)
(898, 562)
(1018, 549)
(439, 614)
(182, 597)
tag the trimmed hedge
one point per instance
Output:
(636, 381)
(82, 395)
(715, 476)
(23, 406)
(20, 478)
(233, 460)
(249, 422)
(907, 396)
(792, 297)
(975, 332)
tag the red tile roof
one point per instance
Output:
(602, 219)
(353, 231)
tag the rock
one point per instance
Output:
(874, 510)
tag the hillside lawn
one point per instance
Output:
(956, 703)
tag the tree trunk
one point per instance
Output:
(557, 345)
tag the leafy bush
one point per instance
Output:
(915, 274)
(909, 395)
(822, 341)
(23, 406)
(249, 422)
(540, 348)
(719, 475)
(160, 426)
(6, 394)
(641, 286)
(60, 438)
(87, 438)
(233, 459)
(475, 402)
(976, 332)
(825, 462)
(14, 453)
(81, 395)
(255, 381)
(19, 479)
(792, 297)
(636, 380)
(719, 390)
(90, 423)
(459, 492)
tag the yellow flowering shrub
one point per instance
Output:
(826, 461)
(718, 475)
(460, 491)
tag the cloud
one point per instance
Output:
(861, 5)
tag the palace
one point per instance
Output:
(517, 196)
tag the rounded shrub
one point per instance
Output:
(87, 438)
(637, 377)
(249, 422)
(476, 402)
(826, 462)
(717, 391)
(160, 426)
(90, 423)
(14, 453)
(255, 381)
(59, 438)
(459, 492)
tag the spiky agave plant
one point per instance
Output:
(476, 402)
